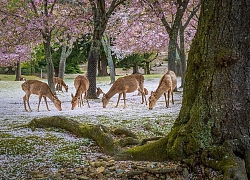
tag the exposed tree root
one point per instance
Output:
(98, 133)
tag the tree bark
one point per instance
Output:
(64, 55)
(183, 61)
(213, 124)
(102, 65)
(92, 65)
(106, 46)
(135, 69)
(50, 66)
(100, 18)
(18, 71)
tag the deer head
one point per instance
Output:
(57, 103)
(66, 88)
(105, 101)
(74, 101)
(152, 100)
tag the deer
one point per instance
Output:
(99, 92)
(59, 83)
(81, 84)
(167, 84)
(123, 85)
(145, 91)
(42, 90)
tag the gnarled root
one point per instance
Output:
(98, 133)
(222, 158)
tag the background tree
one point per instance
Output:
(101, 13)
(213, 124)
(107, 49)
(39, 21)
(154, 26)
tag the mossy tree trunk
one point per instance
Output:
(213, 123)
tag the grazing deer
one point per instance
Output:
(125, 85)
(99, 91)
(167, 84)
(42, 90)
(59, 83)
(81, 84)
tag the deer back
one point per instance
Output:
(173, 78)
(81, 83)
(34, 87)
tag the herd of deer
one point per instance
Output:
(122, 85)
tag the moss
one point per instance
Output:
(15, 146)
(156, 151)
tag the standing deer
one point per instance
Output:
(125, 85)
(59, 83)
(42, 90)
(81, 84)
(167, 84)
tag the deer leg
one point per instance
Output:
(28, 101)
(39, 101)
(168, 97)
(166, 101)
(86, 97)
(143, 97)
(172, 97)
(46, 103)
(24, 102)
(124, 99)
(118, 100)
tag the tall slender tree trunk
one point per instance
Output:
(106, 46)
(181, 51)
(18, 71)
(64, 55)
(213, 124)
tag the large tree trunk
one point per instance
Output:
(102, 65)
(50, 66)
(213, 124)
(92, 65)
(100, 18)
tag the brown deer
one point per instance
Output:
(167, 84)
(145, 91)
(59, 83)
(42, 90)
(125, 85)
(99, 92)
(81, 84)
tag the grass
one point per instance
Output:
(11, 77)
(8, 77)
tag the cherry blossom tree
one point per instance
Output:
(101, 11)
(42, 21)
(155, 26)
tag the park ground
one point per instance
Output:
(56, 154)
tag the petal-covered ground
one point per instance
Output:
(56, 154)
